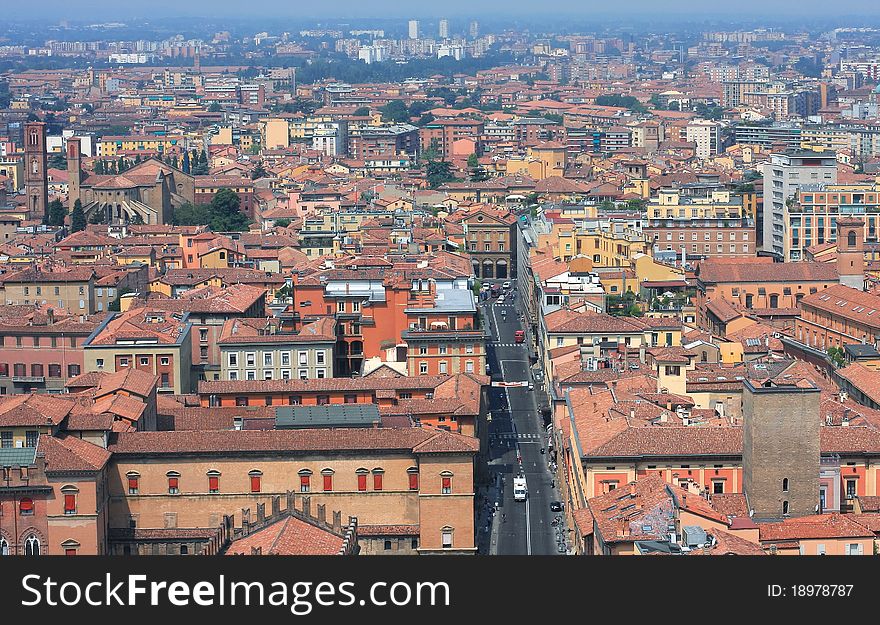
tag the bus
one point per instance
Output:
(519, 489)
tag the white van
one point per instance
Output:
(520, 491)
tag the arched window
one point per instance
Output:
(305, 477)
(851, 238)
(213, 481)
(173, 482)
(26, 506)
(4, 547)
(327, 474)
(256, 480)
(70, 492)
(133, 482)
(362, 479)
(32, 546)
(413, 474)
(785, 485)
(784, 507)
(446, 482)
(378, 473)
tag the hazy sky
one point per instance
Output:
(399, 9)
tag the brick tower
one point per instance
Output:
(781, 448)
(851, 252)
(74, 171)
(35, 179)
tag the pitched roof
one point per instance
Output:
(292, 441)
(832, 525)
(715, 271)
(69, 453)
(289, 536)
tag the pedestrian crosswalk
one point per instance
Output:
(500, 344)
(517, 436)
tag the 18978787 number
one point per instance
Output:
(810, 590)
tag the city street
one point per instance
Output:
(517, 444)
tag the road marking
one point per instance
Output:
(528, 530)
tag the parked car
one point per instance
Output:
(557, 506)
(506, 285)
(519, 336)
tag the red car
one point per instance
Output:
(519, 336)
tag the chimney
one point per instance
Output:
(322, 513)
(337, 521)
(50, 316)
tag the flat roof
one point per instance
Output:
(329, 415)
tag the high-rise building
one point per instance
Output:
(35, 177)
(474, 29)
(783, 175)
(707, 135)
(414, 29)
(444, 29)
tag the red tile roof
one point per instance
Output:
(714, 271)
(832, 525)
(289, 536)
(293, 441)
(71, 454)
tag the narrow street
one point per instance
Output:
(517, 444)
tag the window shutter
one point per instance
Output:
(377, 481)
(213, 483)
(328, 482)
(70, 503)
(414, 481)
(255, 483)
(132, 483)
(362, 481)
(173, 483)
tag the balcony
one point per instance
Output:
(29, 379)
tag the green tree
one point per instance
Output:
(837, 356)
(137, 220)
(259, 171)
(185, 166)
(473, 161)
(395, 112)
(215, 107)
(225, 213)
(77, 217)
(282, 223)
(99, 167)
(438, 172)
(624, 101)
(97, 217)
(57, 161)
(189, 214)
(362, 112)
(57, 213)
(121, 165)
(553, 117)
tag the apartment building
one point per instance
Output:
(147, 339)
(695, 226)
(783, 175)
(259, 349)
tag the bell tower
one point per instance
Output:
(74, 171)
(851, 252)
(35, 180)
